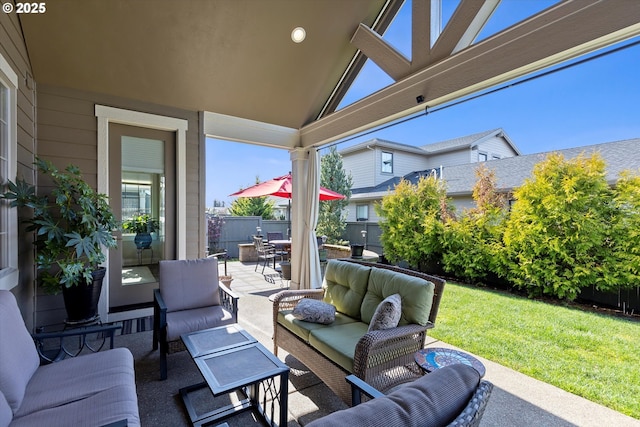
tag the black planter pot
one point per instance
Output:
(356, 251)
(81, 302)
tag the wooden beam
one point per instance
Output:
(426, 24)
(382, 53)
(568, 30)
(463, 27)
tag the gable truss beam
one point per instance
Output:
(563, 32)
(464, 26)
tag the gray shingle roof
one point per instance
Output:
(457, 143)
(433, 148)
(512, 171)
(382, 143)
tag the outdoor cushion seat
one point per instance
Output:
(197, 319)
(189, 299)
(90, 389)
(337, 343)
(445, 397)
(303, 329)
(103, 391)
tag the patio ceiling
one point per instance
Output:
(236, 58)
(233, 57)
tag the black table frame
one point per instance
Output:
(250, 387)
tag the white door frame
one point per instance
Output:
(107, 115)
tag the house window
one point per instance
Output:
(362, 212)
(136, 199)
(8, 165)
(482, 157)
(387, 162)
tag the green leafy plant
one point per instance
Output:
(73, 226)
(253, 206)
(557, 238)
(141, 224)
(472, 243)
(413, 222)
(332, 213)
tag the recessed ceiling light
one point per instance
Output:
(298, 34)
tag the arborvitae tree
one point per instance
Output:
(557, 238)
(332, 215)
(412, 222)
(625, 233)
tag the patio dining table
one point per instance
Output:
(282, 245)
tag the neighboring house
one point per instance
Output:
(377, 166)
(510, 173)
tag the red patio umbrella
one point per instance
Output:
(281, 187)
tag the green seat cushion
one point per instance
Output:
(345, 285)
(416, 294)
(338, 343)
(302, 328)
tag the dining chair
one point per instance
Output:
(265, 252)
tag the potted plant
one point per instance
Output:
(73, 226)
(143, 225)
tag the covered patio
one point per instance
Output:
(231, 70)
(516, 398)
(80, 72)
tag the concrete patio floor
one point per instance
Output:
(517, 400)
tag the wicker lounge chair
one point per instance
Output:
(450, 396)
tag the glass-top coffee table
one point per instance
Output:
(432, 358)
(231, 360)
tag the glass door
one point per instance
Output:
(142, 159)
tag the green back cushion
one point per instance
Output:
(416, 293)
(345, 285)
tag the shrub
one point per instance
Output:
(412, 222)
(557, 236)
(626, 233)
(472, 244)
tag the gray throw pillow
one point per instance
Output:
(316, 311)
(387, 314)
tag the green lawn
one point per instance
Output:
(589, 354)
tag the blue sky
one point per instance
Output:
(591, 103)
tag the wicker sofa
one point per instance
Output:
(332, 351)
(95, 389)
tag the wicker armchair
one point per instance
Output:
(382, 358)
(453, 396)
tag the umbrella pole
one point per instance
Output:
(289, 220)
